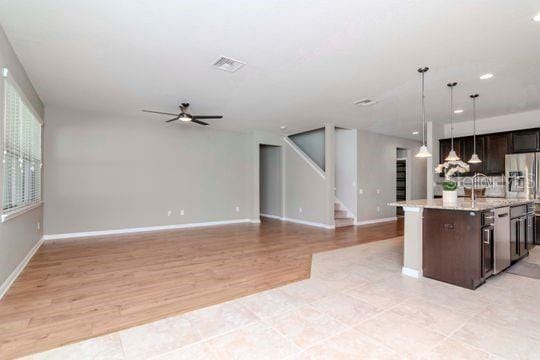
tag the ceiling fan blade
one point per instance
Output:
(207, 116)
(176, 118)
(159, 112)
(199, 122)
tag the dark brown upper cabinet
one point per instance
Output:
(496, 147)
(525, 141)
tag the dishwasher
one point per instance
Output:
(502, 258)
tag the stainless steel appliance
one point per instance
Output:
(488, 237)
(518, 232)
(531, 227)
(501, 244)
(521, 175)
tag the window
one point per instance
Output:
(22, 152)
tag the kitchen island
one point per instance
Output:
(465, 243)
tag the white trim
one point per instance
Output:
(143, 229)
(271, 216)
(11, 215)
(376, 221)
(310, 223)
(255, 221)
(19, 269)
(305, 157)
(411, 272)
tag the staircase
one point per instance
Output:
(340, 217)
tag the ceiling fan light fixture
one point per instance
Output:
(184, 118)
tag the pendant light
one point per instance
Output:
(474, 158)
(452, 156)
(424, 152)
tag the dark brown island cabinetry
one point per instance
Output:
(492, 148)
(457, 247)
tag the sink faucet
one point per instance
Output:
(474, 178)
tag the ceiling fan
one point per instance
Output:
(185, 116)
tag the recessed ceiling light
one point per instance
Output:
(537, 18)
(458, 111)
(486, 76)
(416, 132)
(283, 127)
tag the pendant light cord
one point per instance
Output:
(423, 108)
(473, 97)
(451, 86)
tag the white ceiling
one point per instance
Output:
(307, 61)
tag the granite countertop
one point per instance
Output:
(480, 204)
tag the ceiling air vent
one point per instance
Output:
(365, 102)
(228, 64)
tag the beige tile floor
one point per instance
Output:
(356, 305)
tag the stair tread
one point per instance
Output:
(347, 221)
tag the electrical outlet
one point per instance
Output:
(169, 213)
(361, 191)
(182, 212)
(378, 209)
(38, 225)
(238, 209)
(300, 210)
(378, 191)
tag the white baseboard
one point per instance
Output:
(310, 223)
(271, 216)
(18, 270)
(411, 272)
(375, 221)
(144, 229)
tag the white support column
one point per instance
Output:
(430, 160)
(330, 161)
(412, 242)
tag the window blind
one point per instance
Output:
(22, 152)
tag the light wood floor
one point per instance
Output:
(77, 289)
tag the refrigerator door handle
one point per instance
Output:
(537, 176)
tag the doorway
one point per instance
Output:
(270, 180)
(401, 178)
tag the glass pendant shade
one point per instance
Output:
(424, 152)
(474, 159)
(452, 156)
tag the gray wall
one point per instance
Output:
(270, 180)
(305, 188)
(20, 234)
(110, 172)
(377, 171)
(346, 163)
(312, 144)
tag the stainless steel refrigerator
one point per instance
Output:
(523, 182)
(522, 173)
